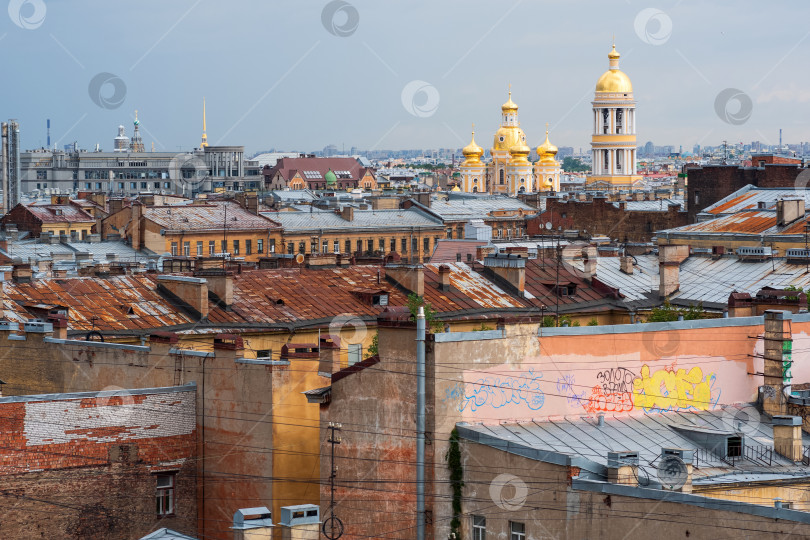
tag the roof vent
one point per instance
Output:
(302, 514)
(252, 518)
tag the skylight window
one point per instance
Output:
(312, 174)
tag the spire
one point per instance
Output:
(204, 142)
(136, 144)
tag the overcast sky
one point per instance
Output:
(392, 75)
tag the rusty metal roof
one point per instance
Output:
(60, 213)
(206, 217)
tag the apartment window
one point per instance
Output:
(302, 247)
(264, 353)
(212, 247)
(133, 185)
(174, 249)
(381, 243)
(449, 233)
(260, 245)
(121, 186)
(156, 184)
(458, 257)
(248, 247)
(404, 244)
(479, 528)
(517, 530)
(734, 447)
(426, 245)
(393, 244)
(469, 257)
(360, 245)
(336, 246)
(271, 246)
(143, 185)
(370, 245)
(164, 495)
(199, 248)
(348, 247)
(87, 185)
(415, 246)
(236, 247)
(325, 246)
(355, 353)
(290, 248)
(42, 175)
(697, 197)
(313, 247)
(187, 249)
(223, 246)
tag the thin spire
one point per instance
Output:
(204, 142)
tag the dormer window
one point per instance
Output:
(379, 300)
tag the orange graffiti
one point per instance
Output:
(608, 402)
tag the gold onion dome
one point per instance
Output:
(509, 105)
(614, 80)
(547, 151)
(472, 150)
(520, 152)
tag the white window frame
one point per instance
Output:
(165, 503)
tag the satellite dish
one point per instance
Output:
(672, 472)
(299, 258)
(548, 226)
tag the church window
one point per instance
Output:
(500, 138)
(501, 177)
(522, 181)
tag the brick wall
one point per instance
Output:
(84, 465)
(707, 185)
(600, 217)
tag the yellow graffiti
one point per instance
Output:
(667, 389)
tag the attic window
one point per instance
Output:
(734, 447)
(264, 353)
(57, 211)
(565, 290)
(379, 300)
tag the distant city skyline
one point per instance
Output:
(377, 75)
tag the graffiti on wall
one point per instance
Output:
(566, 387)
(668, 389)
(601, 401)
(497, 391)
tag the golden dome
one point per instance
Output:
(472, 150)
(547, 151)
(509, 106)
(614, 80)
(520, 152)
(507, 137)
(455, 188)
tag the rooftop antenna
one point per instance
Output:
(204, 142)
(49, 132)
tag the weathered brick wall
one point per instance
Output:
(707, 185)
(23, 219)
(83, 466)
(600, 217)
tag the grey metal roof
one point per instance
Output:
(293, 195)
(661, 205)
(648, 434)
(749, 196)
(33, 251)
(167, 534)
(363, 219)
(468, 206)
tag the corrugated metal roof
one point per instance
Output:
(467, 207)
(214, 215)
(661, 205)
(469, 290)
(60, 213)
(648, 434)
(749, 197)
(745, 221)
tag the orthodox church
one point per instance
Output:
(613, 146)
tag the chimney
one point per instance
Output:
(482, 252)
(626, 265)
(135, 225)
(787, 436)
(21, 273)
(220, 288)
(228, 347)
(60, 324)
(300, 522)
(622, 468)
(509, 269)
(788, 211)
(253, 524)
(409, 277)
(669, 263)
(347, 213)
(116, 205)
(329, 355)
(777, 344)
(444, 278)
(590, 260)
(189, 292)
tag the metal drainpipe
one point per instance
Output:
(420, 424)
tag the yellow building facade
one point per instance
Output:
(613, 142)
(509, 172)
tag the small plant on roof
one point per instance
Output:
(431, 321)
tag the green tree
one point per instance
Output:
(572, 164)
(431, 321)
(374, 348)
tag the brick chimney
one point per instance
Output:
(669, 264)
(190, 292)
(788, 211)
(347, 213)
(60, 325)
(444, 277)
(409, 277)
(787, 436)
(21, 273)
(626, 265)
(777, 344)
(510, 269)
(220, 287)
(481, 252)
(329, 355)
(622, 468)
(228, 346)
(135, 225)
